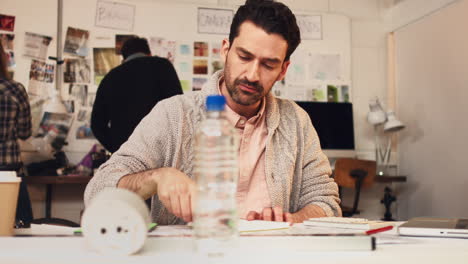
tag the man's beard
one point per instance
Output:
(244, 98)
(240, 97)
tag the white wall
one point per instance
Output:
(368, 71)
(409, 11)
(369, 74)
(432, 87)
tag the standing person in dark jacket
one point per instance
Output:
(129, 92)
(15, 123)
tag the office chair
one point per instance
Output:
(356, 174)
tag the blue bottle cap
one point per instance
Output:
(215, 103)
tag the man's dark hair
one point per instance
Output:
(273, 17)
(135, 45)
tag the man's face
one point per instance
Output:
(253, 63)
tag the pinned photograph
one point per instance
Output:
(163, 48)
(184, 49)
(41, 71)
(7, 22)
(37, 104)
(76, 42)
(170, 51)
(319, 94)
(185, 85)
(344, 93)
(38, 88)
(216, 50)
(91, 98)
(332, 93)
(36, 46)
(77, 71)
(70, 106)
(84, 132)
(200, 49)
(105, 60)
(120, 40)
(55, 124)
(81, 115)
(217, 65)
(156, 45)
(184, 67)
(49, 73)
(8, 46)
(200, 67)
(197, 83)
(7, 41)
(79, 92)
(10, 57)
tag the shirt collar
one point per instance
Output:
(237, 120)
(134, 56)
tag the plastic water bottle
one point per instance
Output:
(216, 173)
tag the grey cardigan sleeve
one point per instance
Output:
(317, 187)
(145, 149)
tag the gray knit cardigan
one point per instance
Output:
(297, 172)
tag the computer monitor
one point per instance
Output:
(334, 125)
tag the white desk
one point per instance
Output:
(70, 250)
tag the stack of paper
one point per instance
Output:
(346, 222)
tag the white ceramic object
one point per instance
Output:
(116, 222)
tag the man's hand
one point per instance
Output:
(270, 214)
(176, 191)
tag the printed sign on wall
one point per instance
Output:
(214, 21)
(115, 15)
(310, 26)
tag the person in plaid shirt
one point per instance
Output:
(15, 122)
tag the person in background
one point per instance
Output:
(283, 173)
(15, 123)
(129, 92)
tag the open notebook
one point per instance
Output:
(259, 225)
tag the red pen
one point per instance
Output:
(378, 230)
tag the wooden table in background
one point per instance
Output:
(49, 181)
(389, 179)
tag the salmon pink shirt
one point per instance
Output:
(252, 190)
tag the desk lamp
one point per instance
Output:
(391, 126)
(377, 117)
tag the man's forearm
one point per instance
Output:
(307, 212)
(143, 183)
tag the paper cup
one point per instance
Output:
(9, 188)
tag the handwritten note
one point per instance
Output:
(325, 67)
(115, 15)
(214, 21)
(310, 26)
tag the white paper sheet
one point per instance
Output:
(46, 230)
